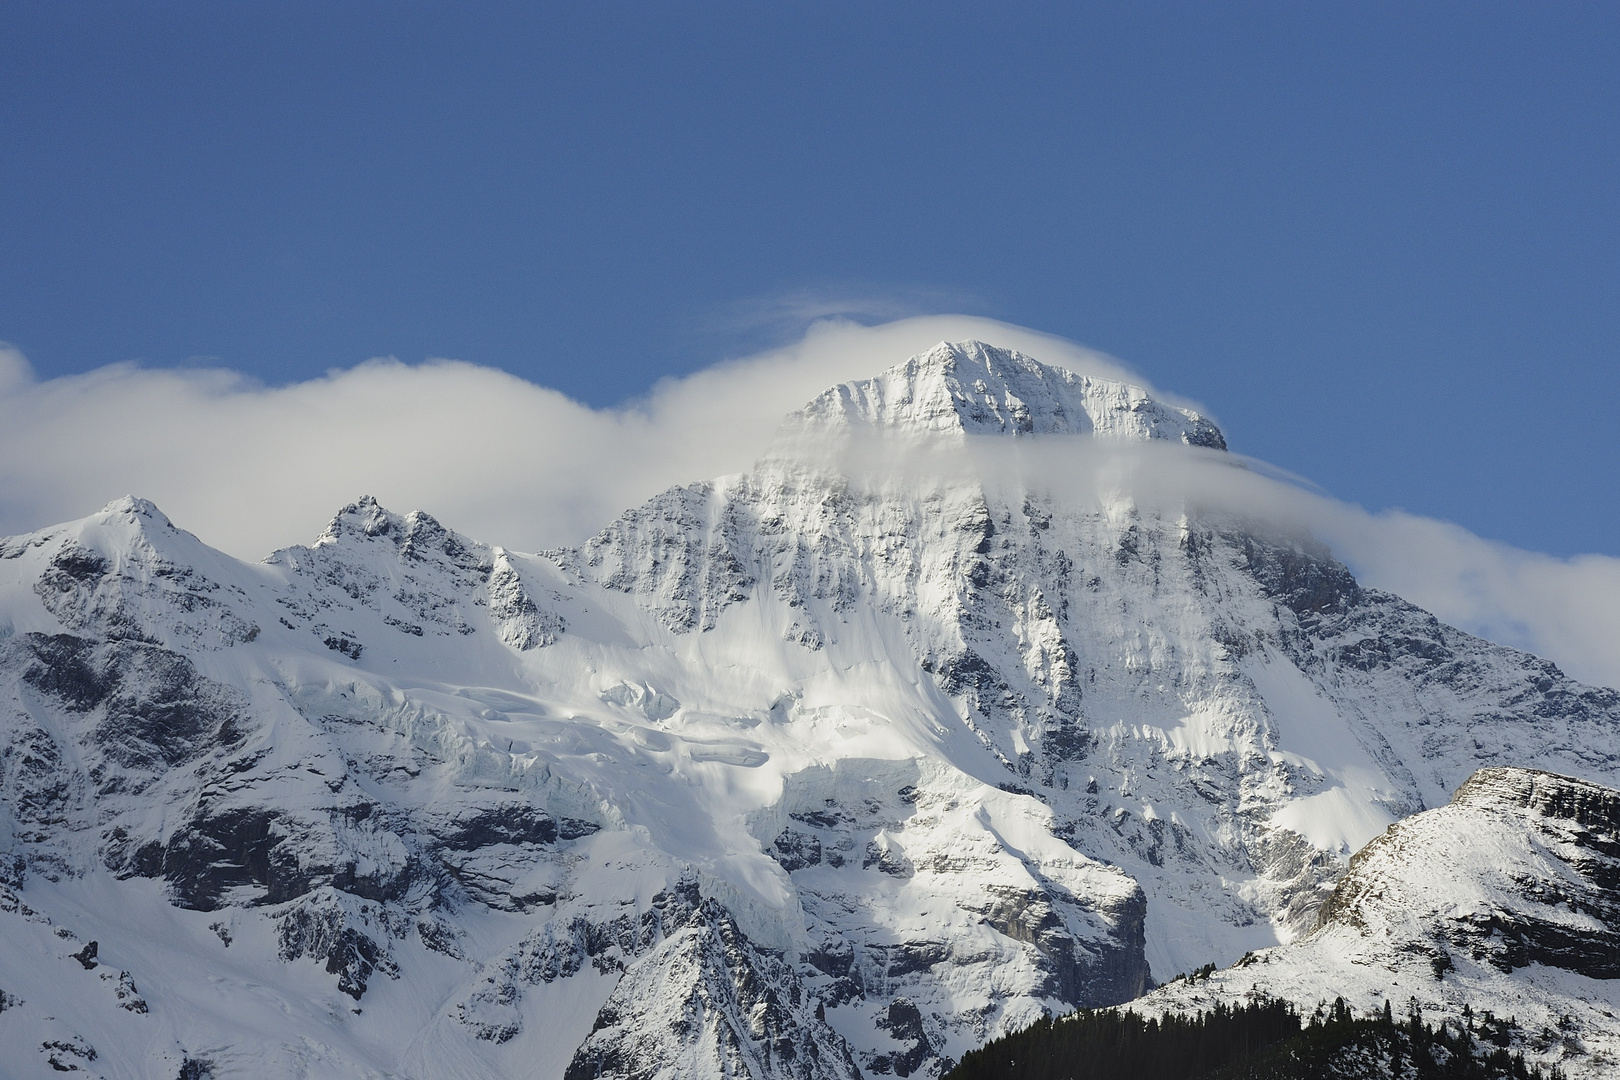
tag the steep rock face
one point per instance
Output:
(148, 745)
(852, 761)
(683, 565)
(421, 578)
(520, 622)
(1507, 899)
(960, 889)
(1116, 657)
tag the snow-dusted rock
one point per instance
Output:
(1533, 876)
(976, 389)
(1507, 900)
(128, 574)
(700, 999)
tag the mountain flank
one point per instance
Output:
(844, 765)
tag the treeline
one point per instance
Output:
(1111, 1044)
(1259, 1040)
(1336, 1045)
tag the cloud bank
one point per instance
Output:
(251, 468)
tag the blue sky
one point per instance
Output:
(1381, 242)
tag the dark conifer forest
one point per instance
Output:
(1260, 1040)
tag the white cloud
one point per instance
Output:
(787, 314)
(1567, 610)
(250, 468)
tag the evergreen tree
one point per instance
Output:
(1261, 1040)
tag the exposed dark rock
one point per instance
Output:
(344, 644)
(38, 786)
(327, 929)
(1086, 977)
(913, 956)
(508, 823)
(1299, 573)
(124, 992)
(796, 850)
(196, 1069)
(888, 859)
(156, 709)
(573, 828)
(219, 849)
(905, 1025)
(60, 1054)
(87, 955)
(216, 852)
(833, 957)
(969, 674)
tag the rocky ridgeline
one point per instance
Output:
(824, 769)
(1532, 877)
(1506, 902)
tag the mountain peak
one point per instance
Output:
(973, 388)
(128, 528)
(365, 536)
(135, 506)
(416, 534)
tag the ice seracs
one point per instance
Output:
(812, 768)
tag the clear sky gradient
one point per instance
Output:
(1381, 242)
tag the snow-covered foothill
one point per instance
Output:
(1506, 900)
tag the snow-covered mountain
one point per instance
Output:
(839, 766)
(1505, 901)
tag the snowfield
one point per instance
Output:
(838, 767)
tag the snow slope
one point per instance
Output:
(1506, 900)
(850, 762)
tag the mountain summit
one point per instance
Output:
(788, 774)
(976, 389)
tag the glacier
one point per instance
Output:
(837, 767)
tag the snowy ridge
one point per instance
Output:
(1507, 900)
(785, 774)
(971, 388)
